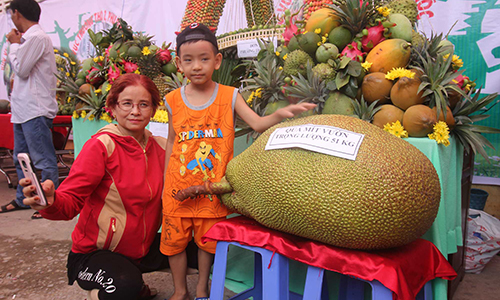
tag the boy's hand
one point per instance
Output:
(292, 110)
(31, 200)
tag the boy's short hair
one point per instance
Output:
(196, 32)
(30, 9)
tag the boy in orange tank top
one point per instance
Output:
(200, 144)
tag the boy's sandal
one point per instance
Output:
(202, 298)
(147, 293)
(14, 204)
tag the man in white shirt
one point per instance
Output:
(33, 101)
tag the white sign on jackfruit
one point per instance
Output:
(319, 138)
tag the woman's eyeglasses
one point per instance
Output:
(128, 105)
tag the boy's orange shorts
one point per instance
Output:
(176, 232)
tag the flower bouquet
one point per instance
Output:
(118, 50)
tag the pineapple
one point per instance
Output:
(356, 15)
(438, 75)
(310, 89)
(161, 84)
(363, 111)
(468, 134)
(270, 79)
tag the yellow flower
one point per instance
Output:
(65, 54)
(280, 67)
(319, 44)
(396, 129)
(146, 51)
(398, 73)
(101, 58)
(108, 87)
(98, 91)
(457, 61)
(73, 63)
(83, 114)
(317, 30)
(366, 65)
(67, 74)
(91, 117)
(277, 53)
(75, 115)
(68, 100)
(258, 92)
(326, 34)
(161, 116)
(285, 56)
(384, 11)
(441, 133)
(250, 98)
(106, 117)
(136, 72)
(56, 51)
(96, 59)
(323, 39)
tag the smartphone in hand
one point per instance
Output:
(29, 172)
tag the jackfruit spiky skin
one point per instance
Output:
(406, 7)
(296, 62)
(387, 197)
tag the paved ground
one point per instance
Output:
(33, 257)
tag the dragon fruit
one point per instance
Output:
(352, 51)
(291, 29)
(375, 35)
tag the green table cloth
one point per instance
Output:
(445, 233)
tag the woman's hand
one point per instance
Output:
(31, 199)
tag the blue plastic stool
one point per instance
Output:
(272, 283)
(353, 289)
(269, 283)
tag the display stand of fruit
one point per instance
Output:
(202, 11)
(118, 51)
(365, 59)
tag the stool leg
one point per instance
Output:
(379, 291)
(426, 292)
(219, 271)
(351, 288)
(275, 277)
(313, 289)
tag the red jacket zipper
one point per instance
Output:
(111, 232)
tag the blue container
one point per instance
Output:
(478, 198)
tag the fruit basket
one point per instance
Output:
(231, 39)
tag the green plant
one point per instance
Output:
(468, 133)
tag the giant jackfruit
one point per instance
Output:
(387, 197)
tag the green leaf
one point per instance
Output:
(341, 81)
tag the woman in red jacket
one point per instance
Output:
(115, 185)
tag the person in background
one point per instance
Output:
(33, 99)
(115, 184)
(200, 144)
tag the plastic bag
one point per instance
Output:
(483, 240)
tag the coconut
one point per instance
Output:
(419, 120)
(404, 93)
(450, 120)
(376, 87)
(388, 113)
